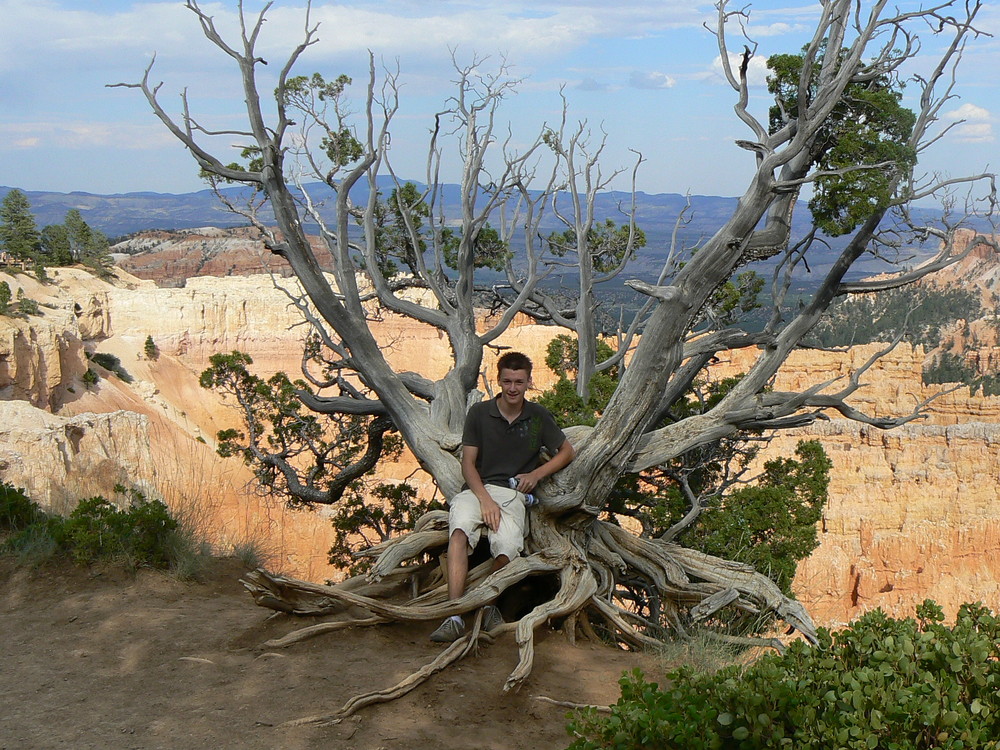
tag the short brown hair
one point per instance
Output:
(514, 361)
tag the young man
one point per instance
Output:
(502, 441)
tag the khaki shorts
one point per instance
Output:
(464, 513)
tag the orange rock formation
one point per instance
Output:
(912, 511)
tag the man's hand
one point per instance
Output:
(527, 482)
(491, 512)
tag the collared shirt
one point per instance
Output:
(507, 449)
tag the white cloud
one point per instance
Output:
(977, 126)
(651, 80)
(979, 132)
(51, 31)
(589, 83)
(971, 112)
(780, 28)
(81, 134)
(52, 36)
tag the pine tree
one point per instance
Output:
(86, 245)
(18, 232)
(150, 348)
(55, 245)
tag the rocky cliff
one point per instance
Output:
(172, 257)
(912, 512)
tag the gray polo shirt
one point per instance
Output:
(508, 449)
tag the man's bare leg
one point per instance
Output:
(458, 573)
(458, 563)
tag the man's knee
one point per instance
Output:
(459, 539)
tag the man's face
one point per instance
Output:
(513, 386)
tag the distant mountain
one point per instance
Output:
(120, 214)
(123, 214)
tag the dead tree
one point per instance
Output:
(309, 137)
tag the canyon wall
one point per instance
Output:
(912, 511)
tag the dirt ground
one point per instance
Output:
(110, 660)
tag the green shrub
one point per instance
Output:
(5, 297)
(17, 510)
(111, 363)
(26, 305)
(150, 349)
(140, 535)
(90, 377)
(880, 683)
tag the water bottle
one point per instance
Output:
(529, 499)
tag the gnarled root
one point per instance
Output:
(455, 652)
(637, 587)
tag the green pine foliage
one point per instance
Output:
(403, 239)
(882, 683)
(947, 368)
(20, 307)
(952, 368)
(90, 378)
(608, 244)
(303, 456)
(770, 525)
(562, 400)
(369, 515)
(150, 349)
(56, 245)
(869, 126)
(73, 241)
(25, 305)
(18, 232)
(87, 245)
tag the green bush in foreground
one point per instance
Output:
(98, 530)
(880, 683)
(143, 534)
(17, 510)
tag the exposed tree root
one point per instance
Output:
(570, 704)
(314, 630)
(455, 652)
(597, 565)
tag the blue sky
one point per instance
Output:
(646, 71)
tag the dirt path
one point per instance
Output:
(109, 660)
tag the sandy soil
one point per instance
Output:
(107, 659)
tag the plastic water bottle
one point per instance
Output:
(529, 499)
